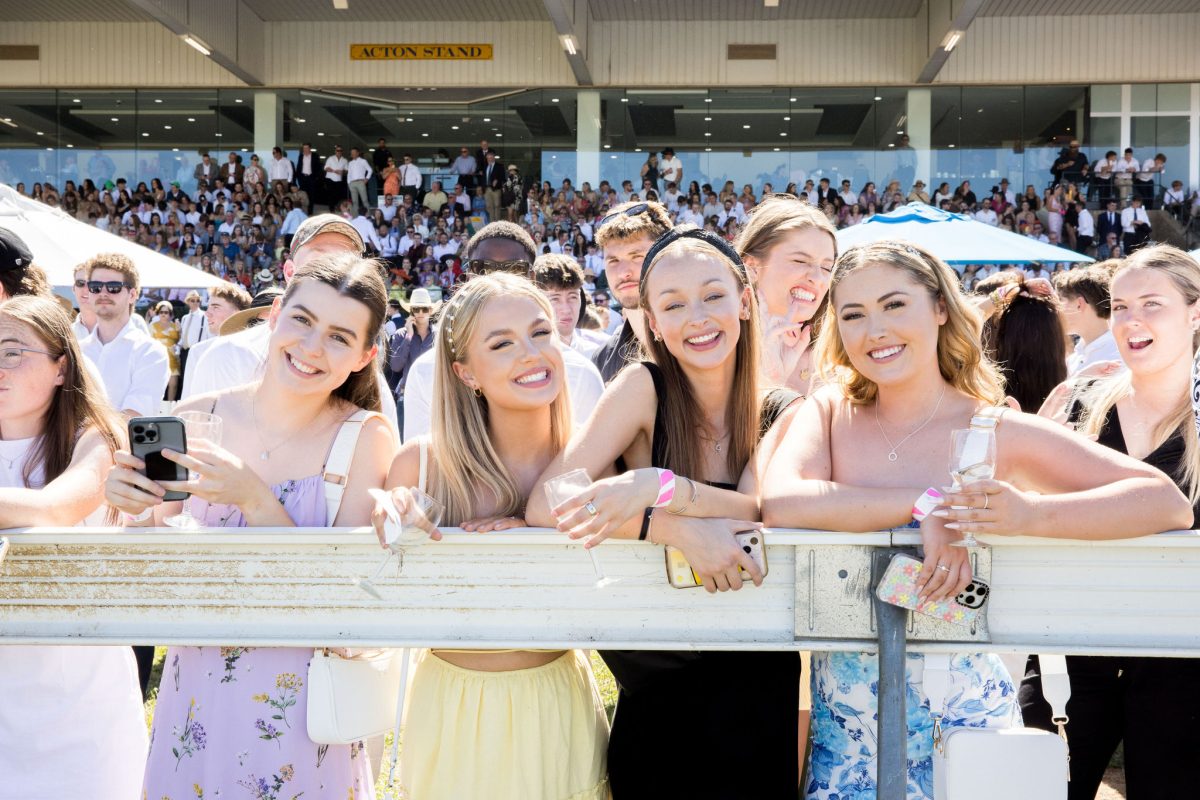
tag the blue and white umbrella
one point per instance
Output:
(954, 238)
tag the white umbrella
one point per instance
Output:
(60, 243)
(1195, 254)
(954, 238)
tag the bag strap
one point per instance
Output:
(423, 473)
(337, 463)
(405, 655)
(986, 419)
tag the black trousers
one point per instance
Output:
(1150, 704)
(143, 654)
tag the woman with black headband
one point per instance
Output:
(687, 422)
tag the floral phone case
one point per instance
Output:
(899, 584)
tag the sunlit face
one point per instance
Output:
(513, 356)
(791, 280)
(219, 310)
(565, 303)
(888, 324)
(696, 305)
(110, 306)
(318, 338)
(27, 390)
(623, 266)
(83, 298)
(1151, 321)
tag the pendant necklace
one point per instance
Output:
(892, 456)
(265, 455)
(716, 443)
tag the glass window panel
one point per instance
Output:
(1174, 97)
(1106, 98)
(1165, 135)
(1143, 97)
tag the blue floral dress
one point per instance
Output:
(845, 689)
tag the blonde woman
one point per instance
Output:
(527, 723)
(1149, 704)
(694, 408)
(789, 248)
(165, 331)
(901, 349)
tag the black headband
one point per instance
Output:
(692, 232)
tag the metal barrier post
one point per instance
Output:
(892, 755)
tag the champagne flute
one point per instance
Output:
(972, 458)
(563, 488)
(198, 426)
(402, 530)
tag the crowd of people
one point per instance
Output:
(714, 378)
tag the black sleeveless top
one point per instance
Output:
(694, 707)
(1167, 457)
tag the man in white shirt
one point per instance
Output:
(627, 190)
(498, 242)
(1127, 167)
(1085, 232)
(223, 302)
(1084, 310)
(561, 280)
(670, 197)
(847, 193)
(445, 246)
(461, 201)
(335, 177)
(281, 171)
(308, 165)
(229, 223)
(670, 168)
(239, 358)
(358, 172)
(134, 367)
(1135, 226)
(388, 208)
(1143, 179)
(366, 229)
(291, 224)
(1175, 201)
(985, 214)
(410, 178)
(193, 328)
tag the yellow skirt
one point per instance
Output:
(529, 734)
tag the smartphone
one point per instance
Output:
(148, 437)
(899, 587)
(681, 575)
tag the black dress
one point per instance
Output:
(729, 717)
(1150, 704)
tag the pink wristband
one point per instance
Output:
(926, 503)
(666, 488)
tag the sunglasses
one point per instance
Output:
(632, 211)
(482, 266)
(80, 283)
(421, 310)
(112, 287)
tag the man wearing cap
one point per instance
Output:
(498, 247)
(238, 359)
(133, 366)
(410, 342)
(18, 274)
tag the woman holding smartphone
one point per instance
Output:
(901, 349)
(526, 723)
(71, 717)
(788, 248)
(693, 410)
(232, 719)
(1145, 412)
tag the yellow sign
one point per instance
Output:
(420, 52)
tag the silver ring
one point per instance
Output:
(985, 502)
(943, 567)
(591, 509)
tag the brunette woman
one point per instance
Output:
(901, 349)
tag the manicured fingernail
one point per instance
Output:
(922, 599)
(953, 526)
(941, 512)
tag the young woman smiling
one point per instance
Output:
(901, 349)
(231, 719)
(789, 248)
(694, 409)
(525, 723)
(1147, 413)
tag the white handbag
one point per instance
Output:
(999, 764)
(350, 699)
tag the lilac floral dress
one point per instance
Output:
(230, 723)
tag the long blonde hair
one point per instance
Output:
(680, 408)
(960, 355)
(1099, 398)
(467, 462)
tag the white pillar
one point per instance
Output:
(587, 137)
(268, 125)
(920, 111)
(1193, 179)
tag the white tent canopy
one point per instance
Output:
(60, 243)
(954, 238)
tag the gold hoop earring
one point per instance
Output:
(477, 391)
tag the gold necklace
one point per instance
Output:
(892, 456)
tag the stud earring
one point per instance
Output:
(478, 392)
(657, 336)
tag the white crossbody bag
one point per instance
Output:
(350, 699)
(999, 764)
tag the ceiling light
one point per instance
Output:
(116, 119)
(218, 135)
(553, 99)
(76, 100)
(50, 149)
(951, 39)
(307, 100)
(624, 99)
(637, 149)
(783, 134)
(787, 119)
(950, 146)
(320, 133)
(408, 119)
(708, 149)
(174, 149)
(708, 99)
(245, 149)
(157, 100)
(877, 98)
(197, 44)
(608, 147)
(569, 44)
(776, 149)
(237, 99)
(791, 99)
(612, 156)
(499, 135)
(708, 134)
(453, 127)
(891, 144)
(301, 121)
(39, 133)
(191, 119)
(70, 146)
(341, 5)
(746, 127)
(899, 133)
(166, 127)
(708, 119)
(487, 119)
(426, 135)
(146, 134)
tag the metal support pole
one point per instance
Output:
(892, 759)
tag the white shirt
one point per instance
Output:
(308, 164)
(410, 175)
(281, 170)
(583, 382)
(1102, 348)
(1037, 272)
(366, 229)
(193, 328)
(291, 223)
(448, 249)
(671, 169)
(1174, 195)
(358, 170)
(389, 212)
(1126, 164)
(334, 166)
(986, 216)
(240, 358)
(1132, 215)
(1087, 225)
(134, 367)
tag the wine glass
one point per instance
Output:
(563, 488)
(198, 426)
(402, 530)
(972, 458)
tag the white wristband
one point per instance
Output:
(926, 503)
(142, 517)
